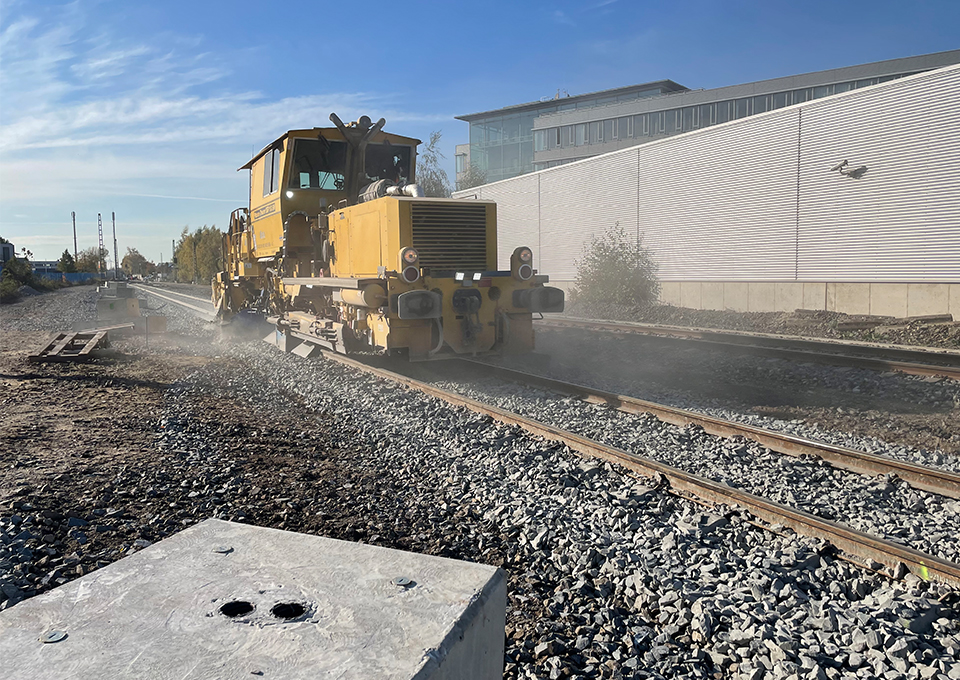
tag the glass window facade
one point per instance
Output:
(504, 146)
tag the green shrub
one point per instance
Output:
(8, 290)
(18, 270)
(616, 269)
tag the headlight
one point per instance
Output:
(409, 264)
(521, 263)
(289, 194)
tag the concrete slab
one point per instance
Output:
(670, 293)
(814, 295)
(736, 296)
(711, 295)
(174, 610)
(851, 298)
(888, 299)
(927, 298)
(789, 296)
(954, 295)
(762, 297)
(690, 294)
(113, 308)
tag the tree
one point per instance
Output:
(472, 176)
(134, 263)
(430, 176)
(198, 254)
(66, 263)
(87, 260)
(617, 269)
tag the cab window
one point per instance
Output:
(318, 164)
(271, 171)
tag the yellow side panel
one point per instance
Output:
(266, 219)
(392, 224)
(365, 243)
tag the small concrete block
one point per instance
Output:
(149, 324)
(225, 600)
(112, 308)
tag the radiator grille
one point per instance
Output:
(450, 236)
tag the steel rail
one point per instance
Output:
(849, 541)
(206, 312)
(936, 481)
(174, 292)
(860, 355)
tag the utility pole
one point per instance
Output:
(116, 258)
(73, 216)
(101, 265)
(195, 270)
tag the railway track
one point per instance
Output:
(862, 547)
(849, 541)
(197, 305)
(922, 362)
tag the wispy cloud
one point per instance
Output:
(565, 18)
(138, 94)
(87, 111)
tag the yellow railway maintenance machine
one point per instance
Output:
(339, 248)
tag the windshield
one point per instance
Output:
(320, 163)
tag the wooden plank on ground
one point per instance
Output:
(66, 340)
(92, 343)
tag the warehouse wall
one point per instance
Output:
(740, 207)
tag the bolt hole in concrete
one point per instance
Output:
(236, 608)
(287, 610)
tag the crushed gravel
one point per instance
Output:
(610, 576)
(808, 323)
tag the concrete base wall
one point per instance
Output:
(883, 299)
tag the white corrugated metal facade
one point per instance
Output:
(755, 199)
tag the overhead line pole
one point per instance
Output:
(73, 216)
(116, 258)
(101, 265)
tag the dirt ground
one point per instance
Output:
(102, 458)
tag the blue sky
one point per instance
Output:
(148, 108)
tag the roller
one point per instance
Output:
(372, 295)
